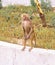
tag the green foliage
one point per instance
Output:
(46, 6)
(33, 3)
(52, 23)
(0, 4)
(50, 18)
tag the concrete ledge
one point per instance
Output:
(11, 54)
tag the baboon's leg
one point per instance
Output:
(24, 44)
(31, 45)
(34, 42)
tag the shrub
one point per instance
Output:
(33, 3)
(46, 6)
(52, 23)
(0, 5)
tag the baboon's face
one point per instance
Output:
(24, 16)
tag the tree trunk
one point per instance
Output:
(42, 16)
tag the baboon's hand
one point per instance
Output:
(27, 37)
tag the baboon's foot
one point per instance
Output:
(23, 48)
(30, 49)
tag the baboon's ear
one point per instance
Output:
(31, 17)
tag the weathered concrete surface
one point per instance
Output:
(11, 54)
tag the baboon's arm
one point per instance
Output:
(31, 31)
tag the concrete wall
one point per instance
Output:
(12, 2)
(11, 54)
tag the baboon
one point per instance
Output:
(28, 31)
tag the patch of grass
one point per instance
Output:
(46, 38)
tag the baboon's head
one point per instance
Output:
(25, 16)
